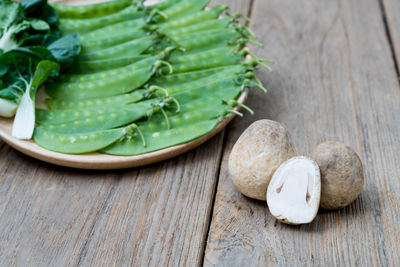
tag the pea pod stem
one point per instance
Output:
(157, 68)
(166, 118)
(233, 103)
(156, 12)
(153, 89)
(132, 129)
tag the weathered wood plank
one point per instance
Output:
(50, 216)
(392, 14)
(153, 216)
(334, 79)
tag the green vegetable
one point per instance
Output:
(82, 142)
(119, 84)
(25, 70)
(123, 76)
(86, 25)
(128, 49)
(93, 66)
(14, 25)
(92, 10)
(30, 54)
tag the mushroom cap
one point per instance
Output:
(257, 154)
(294, 191)
(342, 174)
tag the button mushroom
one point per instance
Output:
(259, 151)
(342, 175)
(294, 191)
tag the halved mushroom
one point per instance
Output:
(294, 192)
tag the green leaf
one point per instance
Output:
(41, 10)
(39, 25)
(10, 13)
(44, 70)
(66, 48)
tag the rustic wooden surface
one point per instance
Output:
(334, 79)
(391, 12)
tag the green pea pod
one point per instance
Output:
(83, 78)
(79, 143)
(187, 77)
(94, 66)
(116, 37)
(109, 30)
(163, 138)
(106, 119)
(205, 63)
(90, 11)
(185, 7)
(191, 19)
(60, 104)
(210, 40)
(180, 34)
(128, 49)
(81, 26)
(165, 4)
(120, 84)
(178, 58)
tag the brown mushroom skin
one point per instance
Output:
(342, 174)
(258, 152)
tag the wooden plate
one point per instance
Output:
(99, 161)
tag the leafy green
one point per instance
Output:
(21, 21)
(66, 49)
(31, 51)
(23, 71)
(24, 122)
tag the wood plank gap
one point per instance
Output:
(224, 142)
(212, 202)
(250, 11)
(390, 39)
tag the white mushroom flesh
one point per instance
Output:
(294, 191)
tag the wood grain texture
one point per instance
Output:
(153, 216)
(334, 79)
(392, 15)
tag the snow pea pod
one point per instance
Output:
(178, 58)
(109, 30)
(197, 17)
(79, 78)
(205, 63)
(93, 66)
(86, 25)
(185, 7)
(120, 84)
(182, 78)
(90, 11)
(131, 48)
(209, 40)
(119, 36)
(60, 104)
(164, 4)
(180, 34)
(163, 138)
(82, 142)
(89, 120)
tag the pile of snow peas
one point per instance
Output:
(148, 77)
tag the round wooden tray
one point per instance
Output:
(99, 161)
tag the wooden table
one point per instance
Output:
(335, 78)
